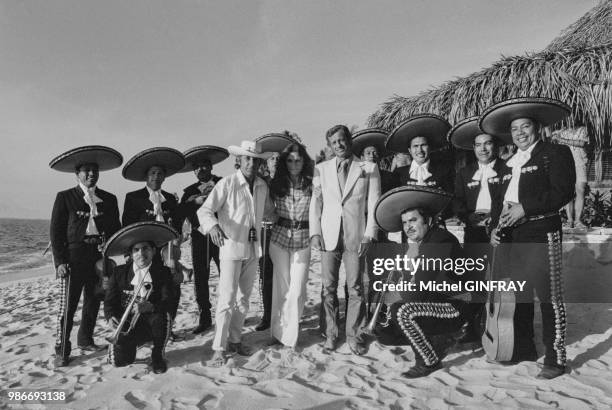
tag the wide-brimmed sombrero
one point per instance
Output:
(157, 232)
(431, 126)
(106, 158)
(462, 135)
(197, 155)
(371, 137)
(250, 149)
(171, 160)
(390, 206)
(547, 111)
(274, 142)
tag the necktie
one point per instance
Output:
(343, 173)
(516, 163)
(91, 199)
(419, 172)
(483, 174)
(157, 199)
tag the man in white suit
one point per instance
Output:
(345, 190)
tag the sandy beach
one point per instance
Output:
(276, 378)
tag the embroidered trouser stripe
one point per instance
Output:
(406, 318)
(61, 312)
(168, 332)
(556, 295)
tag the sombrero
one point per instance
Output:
(157, 232)
(168, 158)
(201, 153)
(106, 158)
(274, 142)
(431, 126)
(250, 149)
(497, 118)
(390, 206)
(371, 137)
(463, 133)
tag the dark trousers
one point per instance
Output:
(265, 278)
(83, 279)
(153, 327)
(202, 251)
(476, 245)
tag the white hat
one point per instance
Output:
(250, 149)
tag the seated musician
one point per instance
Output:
(428, 321)
(144, 286)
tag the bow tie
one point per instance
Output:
(91, 199)
(157, 199)
(419, 172)
(484, 172)
(519, 159)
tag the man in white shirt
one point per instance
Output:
(241, 201)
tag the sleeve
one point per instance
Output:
(112, 299)
(316, 204)
(59, 230)
(113, 218)
(459, 201)
(373, 196)
(129, 213)
(175, 214)
(561, 183)
(215, 200)
(167, 294)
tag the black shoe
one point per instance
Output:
(159, 366)
(469, 338)
(263, 325)
(420, 370)
(202, 327)
(239, 349)
(358, 348)
(176, 338)
(60, 361)
(329, 345)
(92, 347)
(550, 372)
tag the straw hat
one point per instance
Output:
(171, 160)
(462, 135)
(431, 126)
(371, 137)
(106, 158)
(496, 120)
(390, 206)
(157, 232)
(202, 153)
(250, 149)
(274, 142)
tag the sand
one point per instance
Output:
(274, 377)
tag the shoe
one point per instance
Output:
(420, 370)
(358, 348)
(469, 338)
(238, 348)
(329, 345)
(159, 366)
(92, 347)
(263, 325)
(59, 361)
(201, 328)
(274, 342)
(176, 338)
(550, 372)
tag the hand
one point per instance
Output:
(495, 237)
(316, 242)
(63, 270)
(217, 235)
(366, 242)
(512, 215)
(143, 307)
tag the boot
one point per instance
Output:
(205, 322)
(420, 369)
(59, 359)
(158, 363)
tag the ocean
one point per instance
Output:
(22, 242)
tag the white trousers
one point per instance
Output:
(288, 292)
(236, 279)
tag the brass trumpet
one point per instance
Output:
(380, 297)
(118, 332)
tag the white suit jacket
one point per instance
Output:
(330, 205)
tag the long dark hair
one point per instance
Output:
(280, 183)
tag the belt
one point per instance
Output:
(542, 216)
(290, 224)
(93, 239)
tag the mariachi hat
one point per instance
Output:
(171, 160)
(371, 137)
(106, 158)
(157, 232)
(202, 153)
(275, 142)
(462, 135)
(390, 206)
(250, 149)
(547, 111)
(431, 126)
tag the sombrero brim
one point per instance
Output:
(168, 158)
(372, 137)
(106, 158)
(462, 135)
(236, 150)
(156, 232)
(274, 142)
(431, 126)
(389, 207)
(496, 119)
(202, 153)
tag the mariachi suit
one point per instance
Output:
(68, 227)
(151, 326)
(139, 208)
(545, 186)
(202, 250)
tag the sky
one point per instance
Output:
(144, 73)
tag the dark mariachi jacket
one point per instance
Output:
(388, 181)
(189, 209)
(120, 290)
(467, 189)
(138, 208)
(547, 182)
(70, 216)
(442, 175)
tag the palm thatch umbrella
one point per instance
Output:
(592, 29)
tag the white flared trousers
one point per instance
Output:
(288, 292)
(236, 279)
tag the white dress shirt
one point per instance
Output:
(91, 200)
(482, 174)
(139, 274)
(157, 199)
(419, 172)
(516, 163)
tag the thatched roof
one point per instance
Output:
(582, 78)
(591, 30)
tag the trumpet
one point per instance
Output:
(118, 332)
(380, 297)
